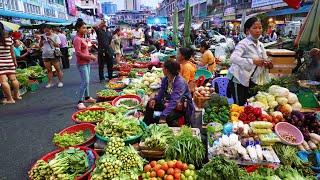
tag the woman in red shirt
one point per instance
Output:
(83, 58)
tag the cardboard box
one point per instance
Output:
(281, 71)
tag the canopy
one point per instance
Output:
(10, 26)
(310, 36)
(286, 11)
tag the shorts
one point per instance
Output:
(52, 60)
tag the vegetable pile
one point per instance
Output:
(107, 92)
(89, 115)
(169, 170)
(203, 91)
(151, 79)
(216, 109)
(118, 126)
(66, 165)
(117, 85)
(128, 103)
(138, 85)
(66, 140)
(157, 136)
(119, 162)
(186, 148)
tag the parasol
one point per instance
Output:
(310, 35)
(187, 26)
(175, 40)
(10, 26)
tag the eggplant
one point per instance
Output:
(298, 114)
(306, 136)
(295, 119)
(309, 115)
(278, 107)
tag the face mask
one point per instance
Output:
(252, 38)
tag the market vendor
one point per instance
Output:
(188, 69)
(314, 70)
(174, 99)
(249, 63)
(208, 61)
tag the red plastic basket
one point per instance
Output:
(51, 155)
(106, 98)
(80, 127)
(140, 65)
(90, 109)
(127, 96)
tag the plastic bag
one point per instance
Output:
(261, 131)
(269, 138)
(261, 124)
(154, 59)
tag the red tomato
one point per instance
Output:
(170, 171)
(171, 164)
(269, 118)
(153, 163)
(185, 166)
(161, 173)
(179, 164)
(157, 167)
(177, 170)
(153, 174)
(177, 175)
(169, 177)
(147, 168)
(165, 166)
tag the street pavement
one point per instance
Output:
(27, 127)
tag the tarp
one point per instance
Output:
(286, 11)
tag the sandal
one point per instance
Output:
(8, 102)
(81, 106)
(17, 98)
(90, 100)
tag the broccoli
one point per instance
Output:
(206, 105)
(224, 101)
(215, 97)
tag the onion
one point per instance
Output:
(206, 88)
(211, 90)
(196, 89)
(207, 95)
(201, 88)
(203, 92)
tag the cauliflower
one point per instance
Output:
(276, 90)
(265, 107)
(273, 104)
(297, 106)
(282, 100)
(288, 107)
(292, 98)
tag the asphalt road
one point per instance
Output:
(27, 127)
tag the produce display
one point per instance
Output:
(132, 91)
(119, 162)
(37, 72)
(119, 126)
(117, 85)
(138, 85)
(186, 147)
(168, 170)
(89, 116)
(203, 91)
(152, 79)
(108, 92)
(109, 108)
(66, 140)
(157, 136)
(216, 109)
(128, 103)
(66, 165)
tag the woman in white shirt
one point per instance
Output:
(249, 63)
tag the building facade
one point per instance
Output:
(130, 5)
(108, 8)
(132, 17)
(92, 6)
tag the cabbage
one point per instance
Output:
(276, 90)
(261, 105)
(252, 99)
(276, 113)
(273, 104)
(288, 107)
(296, 106)
(292, 98)
(282, 100)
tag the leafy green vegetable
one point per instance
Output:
(157, 136)
(107, 92)
(66, 140)
(221, 168)
(128, 103)
(284, 81)
(185, 147)
(132, 75)
(23, 80)
(40, 171)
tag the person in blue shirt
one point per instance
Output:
(17, 51)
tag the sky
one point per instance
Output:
(120, 6)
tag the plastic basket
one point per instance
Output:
(283, 127)
(22, 91)
(139, 92)
(131, 140)
(128, 96)
(89, 109)
(203, 72)
(34, 86)
(124, 86)
(92, 164)
(80, 127)
(106, 98)
(43, 80)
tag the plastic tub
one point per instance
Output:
(90, 109)
(106, 98)
(283, 128)
(131, 140)
(138, 92)
(80, 127)
(203, 72)
(124, 86)
(51, 155)
(116, 101)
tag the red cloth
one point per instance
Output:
(82, 51)
(295, 4)
(16, 35)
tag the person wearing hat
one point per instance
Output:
(105, 52)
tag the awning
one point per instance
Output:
(29, 16)
(303, 9)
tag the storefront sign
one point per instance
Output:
(229, 11)
(259, 3)
(72, 10)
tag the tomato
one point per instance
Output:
(177, 175)
(153, 174)
(179, 164)
(161, 173)
(165, 166)
(171, 164)
(169, 177)
(276, 120)
(269, 118)
(177, 170)
(184, 166)
(153, 163)
(157, 167)
(147, 168)
(170, 171)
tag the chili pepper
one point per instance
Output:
(248, 109)
(257, 111)
(234, 118)
(234, 108)
(251, 117)
(242, 117)
(235, 114)
(241, 109)
(246, 122)
(251, 168)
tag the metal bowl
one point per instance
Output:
(308, 83)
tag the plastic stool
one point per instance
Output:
(222, 85)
